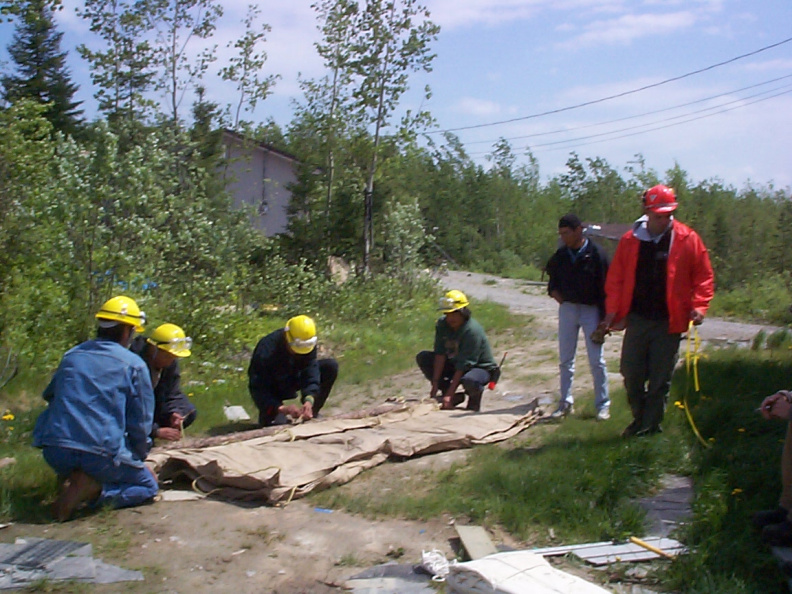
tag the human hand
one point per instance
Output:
(176, 420)
(776, 406)
(599, 334)
(307, 410)
(696, 317)
(291, 410)
(168, 433)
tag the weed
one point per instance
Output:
(348, 560)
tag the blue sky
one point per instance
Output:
(509, 59)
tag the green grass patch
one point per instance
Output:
(581, 479)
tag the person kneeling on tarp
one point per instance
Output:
(284, 362)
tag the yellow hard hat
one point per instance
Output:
(171, 339)
(301, 334)
(124, 310)
(452, 301)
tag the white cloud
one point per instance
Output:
(780, 65)
(477, 107)
(627, 28)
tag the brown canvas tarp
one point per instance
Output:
(297, 459)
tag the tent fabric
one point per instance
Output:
(514, 573)
(300, 458)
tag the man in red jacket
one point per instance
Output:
(660, 280)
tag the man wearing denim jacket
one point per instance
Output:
(95, 431)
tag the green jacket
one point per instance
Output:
(466, 348)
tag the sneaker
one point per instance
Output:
(561, 412)
(768, 517)
(603, 414)
(778, 535)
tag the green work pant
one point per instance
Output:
(649, 355)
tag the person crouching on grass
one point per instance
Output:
(461, 355)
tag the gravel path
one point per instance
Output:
(531, 298)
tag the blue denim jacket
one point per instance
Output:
(100, 401)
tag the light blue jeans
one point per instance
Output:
(571, 318)
(123, 485)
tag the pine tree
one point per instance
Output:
(41, 73)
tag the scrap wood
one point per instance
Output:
(476, 541)
(603, 553)
(515, 572)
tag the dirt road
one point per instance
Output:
(528, 298)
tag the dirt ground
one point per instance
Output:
(198, 546)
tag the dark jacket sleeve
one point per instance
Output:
(309, 377)
(260, 372)
(552, 276)
(170, 398)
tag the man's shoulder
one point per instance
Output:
(106, 349)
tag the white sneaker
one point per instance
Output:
(603, 414)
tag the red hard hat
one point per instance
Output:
(660, 198)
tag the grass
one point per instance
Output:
(578, 478)
(581, 479)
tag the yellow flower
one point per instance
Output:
(678, 404)
(741, 430)
(737, 491)
(8, 416)
(191, 394)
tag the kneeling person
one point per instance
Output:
(95, 430)
(461, 355)
(284, 362)
(161, 351)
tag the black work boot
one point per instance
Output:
(474, 399)
(778, 535)
(769, 517)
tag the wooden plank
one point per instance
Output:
(476, 541)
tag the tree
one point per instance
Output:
(243, 69)
(392, 40)
(177, 23)
(41, 73)
(123, 70)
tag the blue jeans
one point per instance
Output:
(123, 485)
(571, 318)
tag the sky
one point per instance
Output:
(716, 98)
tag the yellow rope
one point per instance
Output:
(692, 356)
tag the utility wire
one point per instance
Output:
(632, 117)
(662, 121)
(656, 128)
(617, 95)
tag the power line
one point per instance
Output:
(662, 121)
(632, 117)
(617, 95)
(656, 128)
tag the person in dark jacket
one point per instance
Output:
(577, 273)
(161, 351)
(285, 362)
